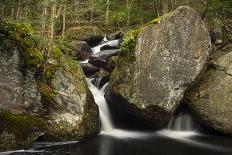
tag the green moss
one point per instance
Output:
(22, 126)
(56, 53)
(64, 44)
(22, 34)
(129, 41)
(46, 91)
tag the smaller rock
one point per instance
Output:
(101, 78)
(112, 62)
(211, 99)
(89, 69)
(109, 47)
(116, 35)
(91, 34)
(82, 49)
(101, 59)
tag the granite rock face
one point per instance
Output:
(211, 99)
(52, 100)
(169, 57)
(19, 96)
(73, 113)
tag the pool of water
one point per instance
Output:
(159, 143)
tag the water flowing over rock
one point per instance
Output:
(54, 102)
(211, 100)
(169, 57)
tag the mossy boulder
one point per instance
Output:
(157, 64)
(91, 34)
(38, 98)
(72, 112)
(20, 101)
(211, 99)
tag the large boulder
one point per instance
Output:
(169, 56)
(41, 99)
(72, 112)
(19, 94)
(211, 99)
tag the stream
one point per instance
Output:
(181, 137)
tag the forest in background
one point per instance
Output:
(51, 18)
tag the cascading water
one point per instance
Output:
(103, 108)
(110, 43)
(182, 122)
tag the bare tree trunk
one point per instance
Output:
(107, 11)
(2, 11)
(63, 20)
(12, 13)
(157, 8)
(128, 12)
(18, 9)
(52, 23)
(91, 14)
(141, 12)
(76, 11)
(44, 14)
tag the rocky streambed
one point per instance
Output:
(152, 71)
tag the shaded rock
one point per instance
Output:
(109, 47)
(91, 34)
(82, 49)
(102, 58)
(169, 56)
(101, 78)
(115, 35)
(99, 63)
(112, 62)
(89, 69)
(211, 99)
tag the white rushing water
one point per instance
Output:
(182, 122)
(103, 107)
(105, 117)
(180, 125)
(110, 43)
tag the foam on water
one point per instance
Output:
(110, 43)
(103, 107)
(84, 62)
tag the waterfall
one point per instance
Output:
(97, 49)
(103, 107)
(183, 121)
